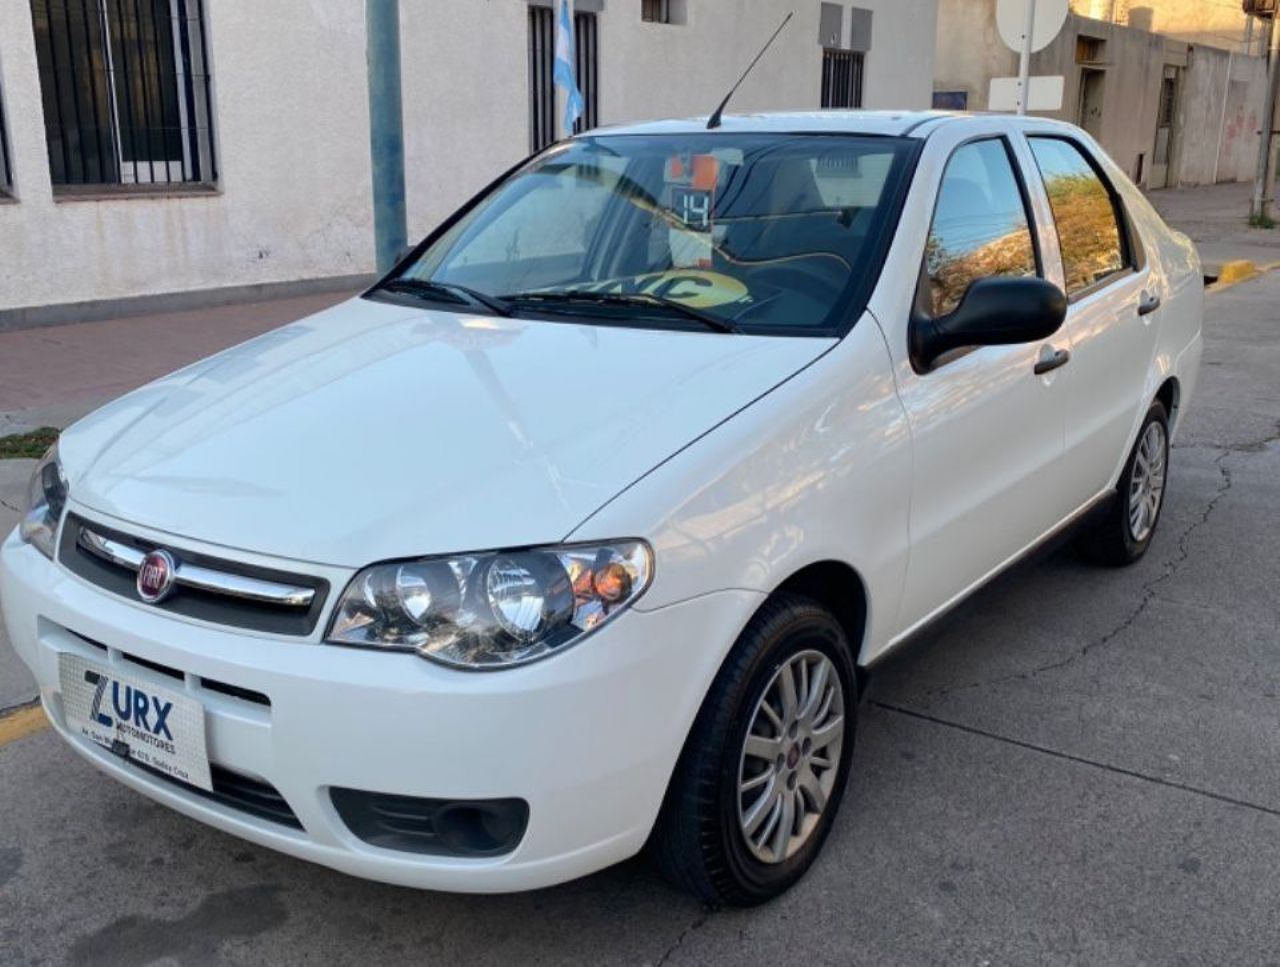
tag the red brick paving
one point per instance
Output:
(101, 360)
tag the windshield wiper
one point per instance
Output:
(430, 289)
(638, 300)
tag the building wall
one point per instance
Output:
(291, 127)
(282, 212)
(1219, 117)
(1133, 62)
(1215, 23)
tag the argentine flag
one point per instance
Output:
(565, 74)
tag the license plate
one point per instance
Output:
(152, 726)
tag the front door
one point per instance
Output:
(987, 432)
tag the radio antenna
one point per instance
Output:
(714, 121)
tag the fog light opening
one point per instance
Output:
(479, 829)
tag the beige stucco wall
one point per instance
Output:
(1214, 23)
(294, 184)
(1219, 117)
(291, 122)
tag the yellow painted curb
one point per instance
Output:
(1237, 271)
(18, 725)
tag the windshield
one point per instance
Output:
(750, 233)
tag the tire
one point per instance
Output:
(700, 841)
(1124, 533)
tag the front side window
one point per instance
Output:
(125, 91)
(765, 233)
(980, 226)
(1085, 211)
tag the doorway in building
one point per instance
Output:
(1166, 117)
(1089, 111)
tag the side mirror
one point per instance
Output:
(998, 311)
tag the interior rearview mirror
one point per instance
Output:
(997, 311)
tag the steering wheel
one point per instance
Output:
(800, 274)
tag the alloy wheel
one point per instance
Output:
(1146, 484)
(791, 756)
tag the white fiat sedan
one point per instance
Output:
(576, 533)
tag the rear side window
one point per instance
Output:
(980, 227)
(1085, 210)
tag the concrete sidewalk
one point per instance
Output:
(1217, 219)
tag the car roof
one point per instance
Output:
(917, 124)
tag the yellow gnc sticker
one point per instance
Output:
(696, 288)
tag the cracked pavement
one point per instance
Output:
(1079, 765)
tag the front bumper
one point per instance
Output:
(588, 739)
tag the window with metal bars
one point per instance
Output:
(6, 180)
(125, 90)
(841, 78)
(655, 11)
(544, 116)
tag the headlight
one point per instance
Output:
(46, 497)
(495, 609)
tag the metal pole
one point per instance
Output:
(1258, 210)
(386, 129)
(1024, 63)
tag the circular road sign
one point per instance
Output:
(1011, 21)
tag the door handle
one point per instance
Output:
(1148, 304)
(1047, 364)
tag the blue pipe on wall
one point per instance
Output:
(386, 130)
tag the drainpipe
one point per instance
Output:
(1258, 210)
(1222, 128)
(386, 130)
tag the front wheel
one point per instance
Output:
(763, 771)
(1124, 534)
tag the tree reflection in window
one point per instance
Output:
(980, 227)
(1088, 232)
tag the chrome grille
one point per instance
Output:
(204, 587)
(193, 576)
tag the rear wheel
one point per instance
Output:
(764, 768)
(1124, 534)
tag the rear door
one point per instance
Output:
(1114, 309)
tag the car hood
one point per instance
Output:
(373, 431)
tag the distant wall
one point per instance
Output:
(1133, 61)
(969, 50)
(1214, 23)
(1220, 110)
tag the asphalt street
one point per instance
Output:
(1077, 766)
